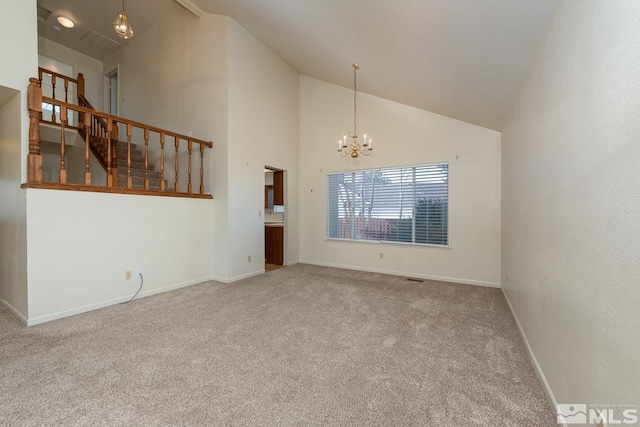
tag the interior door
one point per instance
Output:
(112, 92)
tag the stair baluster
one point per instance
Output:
(176, 185)
(87, 151)
(146, 159)
(113, 142)
(109, 156)
(129, 179)
(162, 183)
(190, 147)
(53, 95)
(63, 123)
(201, 169)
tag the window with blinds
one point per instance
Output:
(408, 205)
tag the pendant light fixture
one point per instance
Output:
(355, 148)
(122, 26)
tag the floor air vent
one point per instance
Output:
(411, 279)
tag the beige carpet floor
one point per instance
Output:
(302, 345)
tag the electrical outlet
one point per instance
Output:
(249, 258)
(381, 255)
(127, 275)
(139, 272)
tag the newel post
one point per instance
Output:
(80, 84)
(34, 159)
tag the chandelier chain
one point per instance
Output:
(355, 103)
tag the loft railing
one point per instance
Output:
(59, 81)
(100, 132)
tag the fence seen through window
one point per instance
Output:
(406, 204)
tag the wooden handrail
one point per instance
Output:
(84, 102)
(100, 131)
(79, 82)
(67, 81)
(133, 123)
(42, 71)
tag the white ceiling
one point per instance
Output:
(464, 59)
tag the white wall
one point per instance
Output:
(263, 130)
(80, 244)
(177, 80)
(19, 36)
(19, 45)
(171, 79)
(13, 234)
(228, 87)
(72, 272)
(570, 174)
(402, 136)
(91, 68)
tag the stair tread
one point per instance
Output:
(137, 158)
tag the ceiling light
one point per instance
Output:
(121, 25)
(65, 22)
(355, 148)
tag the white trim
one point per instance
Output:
(413, 165)
(405, 274)
(389, 242)
(290, 263)
(192, 7)
(237, 278)
(14, 310)
(536, 365)
(95, 306)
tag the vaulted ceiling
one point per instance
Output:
(465, 59)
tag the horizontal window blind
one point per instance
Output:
(409, 205)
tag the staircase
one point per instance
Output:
(101, 133)
(137, 169)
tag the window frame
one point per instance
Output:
(447, 245)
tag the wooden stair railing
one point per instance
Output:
(68, 83)
(100, 132)
(102, 140)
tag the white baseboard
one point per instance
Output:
(14, 310)
(174, 286)
(90, 307)
(405, 274)
(240, 277)
(532, 356)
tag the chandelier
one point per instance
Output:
(122, 26)
(355, 148)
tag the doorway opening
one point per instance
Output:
(111, 92)
(274, 218)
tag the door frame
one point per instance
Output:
(284, 189)
(111, 98)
